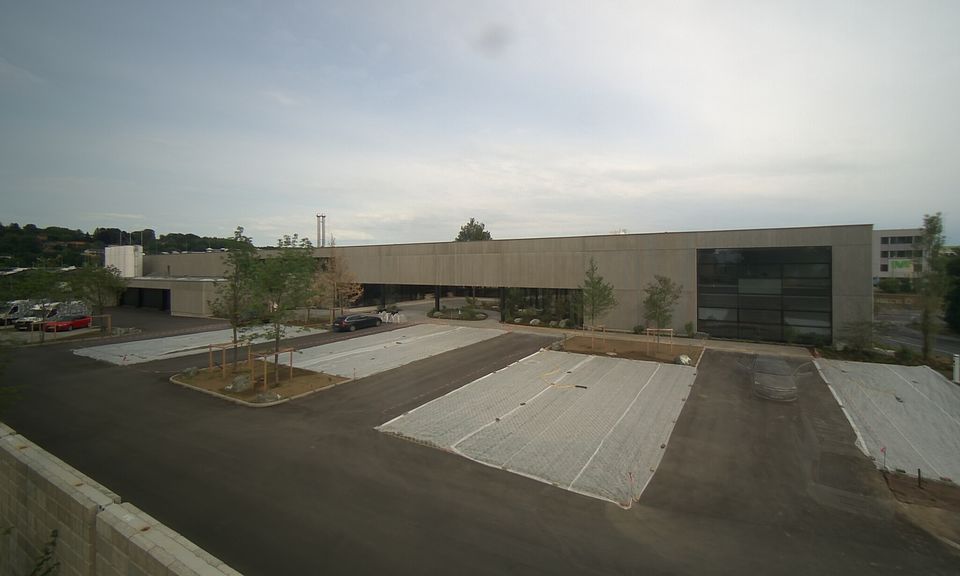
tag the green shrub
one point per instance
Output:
(905, 355)
(689, 329)
(639, 328)
(896, 285)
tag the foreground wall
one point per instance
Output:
(97, 533)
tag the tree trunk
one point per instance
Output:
(235, 348)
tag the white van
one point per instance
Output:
(14, 310)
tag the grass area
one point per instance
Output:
(632, 349)
(291, 382)
(459, 314)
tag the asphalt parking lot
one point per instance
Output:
(310, 487)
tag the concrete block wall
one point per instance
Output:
(97, 533)
(131, 542)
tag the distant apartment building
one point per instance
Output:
(897, 253)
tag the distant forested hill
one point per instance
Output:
(55, 246)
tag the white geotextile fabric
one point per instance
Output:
(590, 424)
(172, 346)
(366, 355)
(910, 411)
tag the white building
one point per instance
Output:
(897, 253)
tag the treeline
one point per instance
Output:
(30, 246)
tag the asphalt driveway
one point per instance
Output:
(310, 487)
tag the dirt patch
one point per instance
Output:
(935, 506)
(632, 349)
(291, 382)
(944, 495)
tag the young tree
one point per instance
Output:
(98, 286)
(283, 282)
(338, 285)
(932, 282)
(472, 231)
(598, 298)
(234, 298)
(662, 296)
(952, 300)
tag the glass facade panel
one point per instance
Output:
(814, 304)
(760, 316)
(779, 294)
(806, 270)
(724, 314)
(719, 329)
(760, 302)
(812, 319)
(760, 286)
(719, 300)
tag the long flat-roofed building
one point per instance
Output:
(778, 284)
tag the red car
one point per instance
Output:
(68, 323)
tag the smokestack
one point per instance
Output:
(321, 230)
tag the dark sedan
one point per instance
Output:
(351, 323)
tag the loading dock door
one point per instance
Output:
(156, 298)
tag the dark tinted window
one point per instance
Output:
(766, 293)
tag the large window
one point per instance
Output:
(780, 294)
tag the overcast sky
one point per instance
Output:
(401, 120)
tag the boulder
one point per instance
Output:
(240, 383)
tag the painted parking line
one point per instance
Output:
(171, 346)
(907, 416)
(589, 424)
(367, 355)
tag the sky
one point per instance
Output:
(401, 120)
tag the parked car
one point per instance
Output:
(351, 323)
(40, 314)
(68, 323)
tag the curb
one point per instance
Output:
(173, 379)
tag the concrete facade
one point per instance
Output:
(96, 533)
(628, 262)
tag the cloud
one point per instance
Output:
(283, 98)
(13, 76)
(115, 215)
(493, 41)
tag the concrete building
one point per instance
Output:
(788, 284)
(897, 253)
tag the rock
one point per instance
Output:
(191, 372)
(517, 320)
(553, 323)
(683, 360)
(264, 397)
(563, 323)
(557, 346)
(535, 322)
(240, 383)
